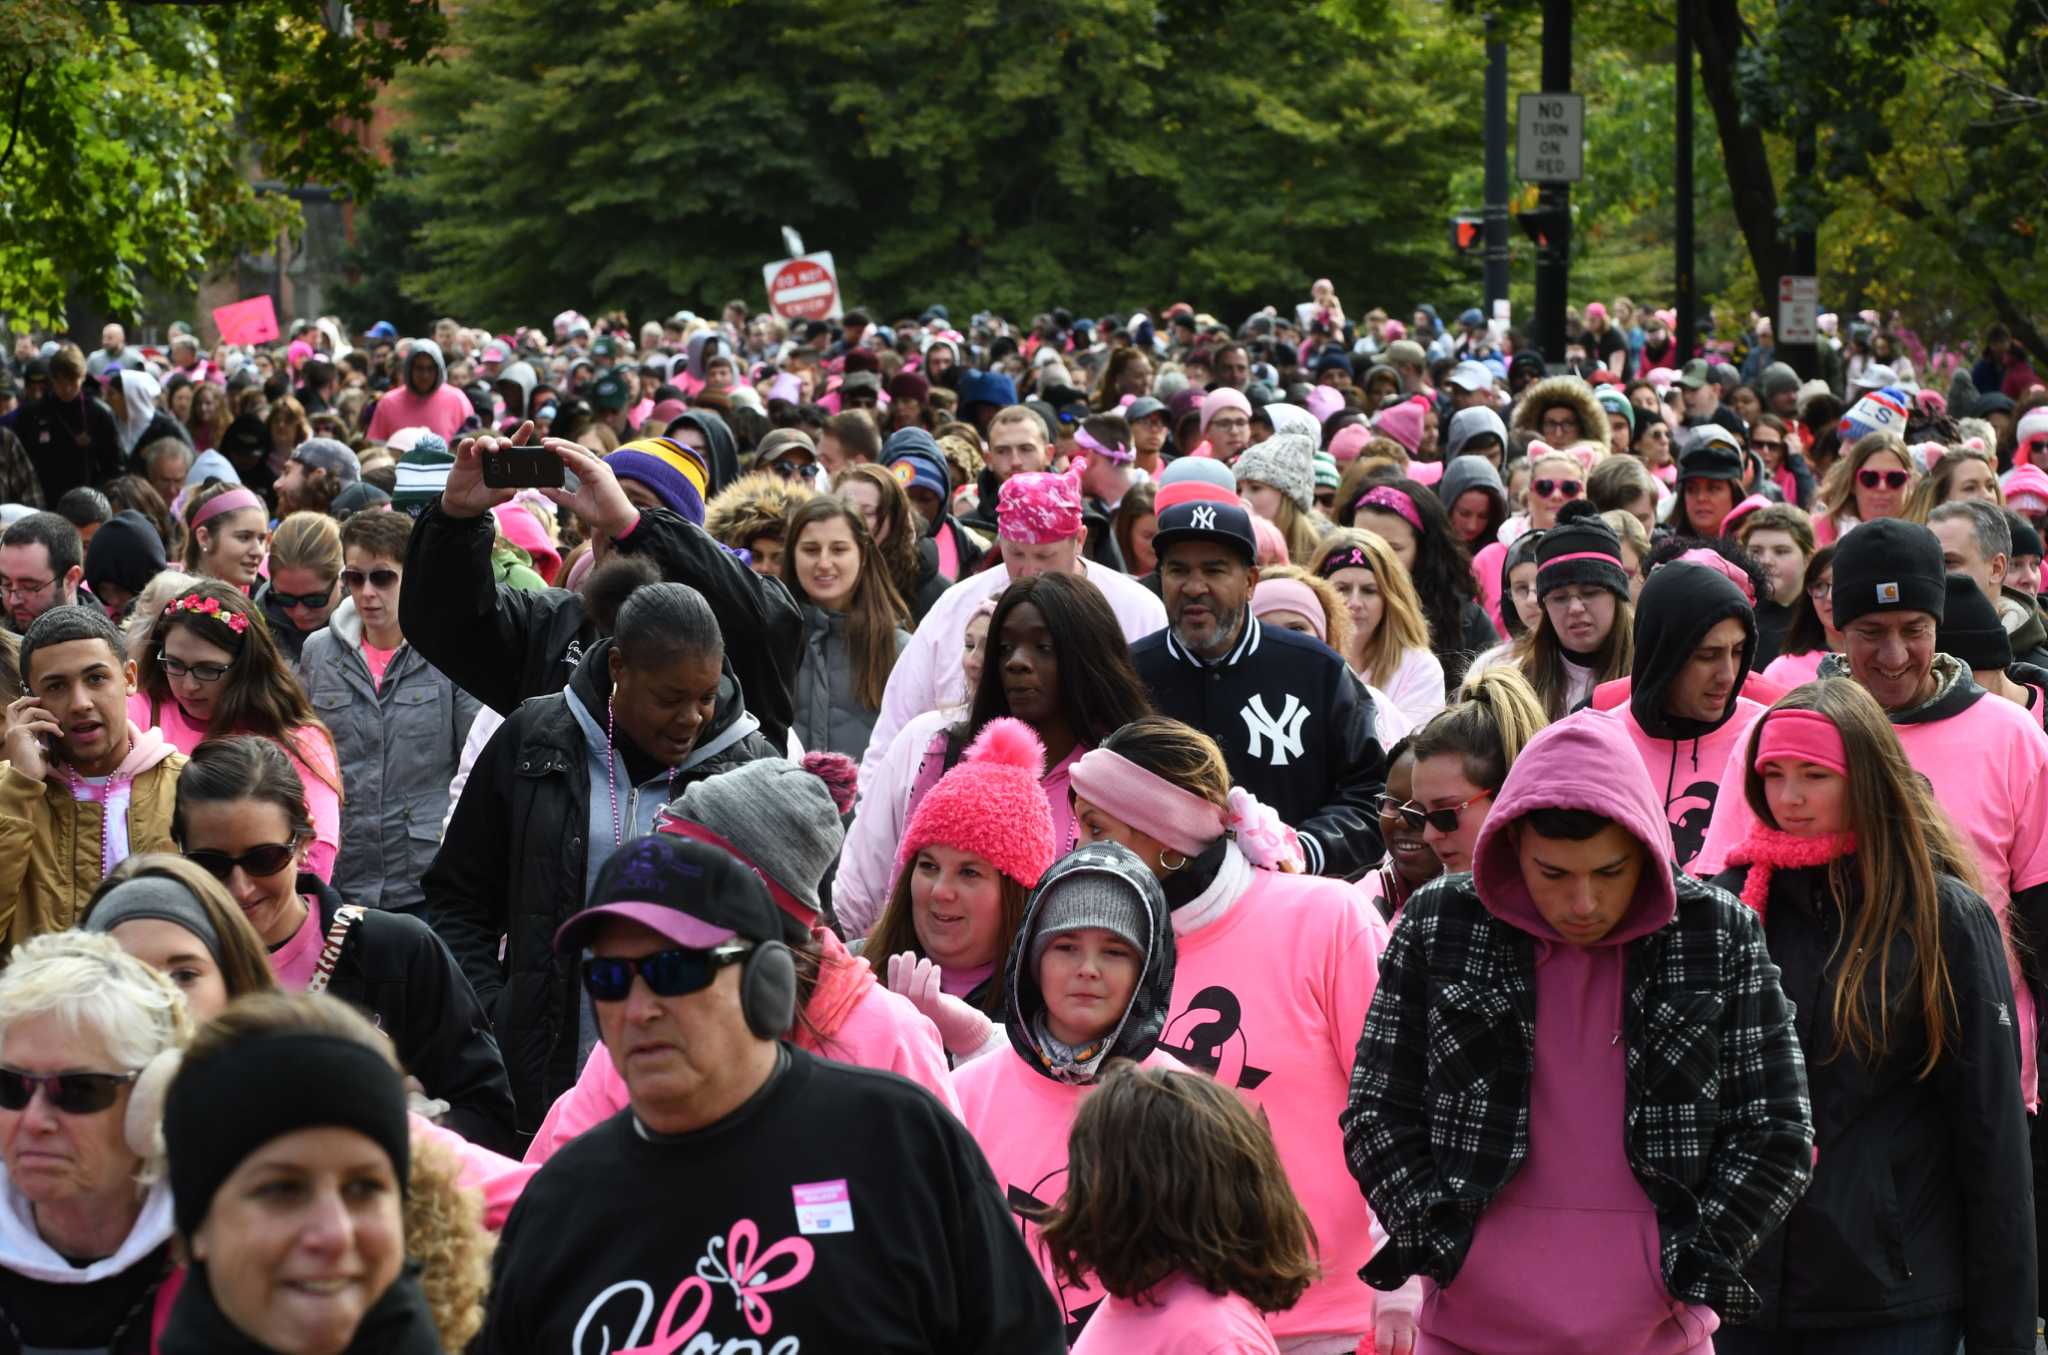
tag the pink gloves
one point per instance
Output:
(964, 1030)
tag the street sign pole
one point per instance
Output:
(1496, 166)
(1682, 234)
(1550, 149)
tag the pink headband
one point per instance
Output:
(1602, 555)
(1151, 804)
(1123, 456)
(233, 501)
(1721, 565)
(1806, 735)
(1291, 595)
(1037, 508)
(1394, 501)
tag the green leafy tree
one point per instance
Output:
(994, 154)
(387, 236)
(127, 126)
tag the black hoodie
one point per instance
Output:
(1679, 605)
(126, 552)
(722, 455)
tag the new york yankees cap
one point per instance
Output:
(1207, 520)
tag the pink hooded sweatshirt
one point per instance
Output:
(312, 754)
(1271, 985)
(860, 1022)
(1566, 1257)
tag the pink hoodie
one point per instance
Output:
(861, 1023)
(312, 754)
(1566, 1257)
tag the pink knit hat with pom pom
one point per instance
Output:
(991, 804)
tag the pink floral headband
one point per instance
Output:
(1394, 501)
(208, 607)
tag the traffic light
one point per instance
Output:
(1468, 233)
(1549, 227)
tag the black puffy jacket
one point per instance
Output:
(1921, 1197)
(393, 967)
(512, 865)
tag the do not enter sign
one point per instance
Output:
(803, 288)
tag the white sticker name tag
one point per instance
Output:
(823, 1207)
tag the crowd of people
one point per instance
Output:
(1139, 834)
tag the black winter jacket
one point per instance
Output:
(394, 967)
(1295, 727)
(503, 645)
(512, 867)
(1921, 1195)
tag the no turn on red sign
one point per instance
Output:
(803, 288)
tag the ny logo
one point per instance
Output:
(1205, 519)
(1282, 732)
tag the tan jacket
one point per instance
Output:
(50, 845)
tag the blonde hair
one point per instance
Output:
(1932, 490)
(1838, 491)
(140, 628)
(1629, 528)
(307, 540)
(1402, 624)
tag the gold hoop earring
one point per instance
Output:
(1170, 869)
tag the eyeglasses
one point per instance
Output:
(72, 1093)
(376, 578)
(1569, 488)
(1229, 424)
(1565, 598)
(1890, 479)
(290, 600)
(257, 863)
(1564, 426)
(1411, 814)
(669, 973)
(1767, 444)
(1445, 820)
(1821, 590)
(20, 588)
(203, 672)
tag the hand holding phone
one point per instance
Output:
(30, 735)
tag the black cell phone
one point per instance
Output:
(523, 468)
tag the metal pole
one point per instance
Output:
(1496, 166)
(1804, 357)
(1682, 185)
(1553, 262)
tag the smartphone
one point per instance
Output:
(523, 468)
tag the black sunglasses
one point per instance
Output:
(1391, 808)
(257, 863)
(319, 599)
(377, 578)
(669, 973)
(1445, 820)
(72, 1093)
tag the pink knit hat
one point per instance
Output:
(1350, 440)
(1220, 399)
(1323, 401)
(2025, 489)
(1403, 423)
(990, 804)
(1037, 508)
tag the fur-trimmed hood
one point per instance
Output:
(1560, 390)
(753, 506)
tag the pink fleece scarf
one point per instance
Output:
(1767, 849)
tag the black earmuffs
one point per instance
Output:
(768, 990)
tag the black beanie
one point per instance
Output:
(223, 1107)
(1580, 549)
(2025, 540)
(1889, 565)
(1970, 629)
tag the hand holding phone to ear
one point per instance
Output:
(31, 732)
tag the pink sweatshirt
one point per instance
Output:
(1270, 989)
(1988, 766)
(927, 674)
(863, 1023)
(444, 409)
(312, 753)
(1794, 670)
(867, 863)
(1686, 774)
(1565, 1258)
(1021, 1119)
(1176, 1318)
(1486, 574)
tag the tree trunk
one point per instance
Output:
(1717, 34)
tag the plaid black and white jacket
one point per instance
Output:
(1719, 1131)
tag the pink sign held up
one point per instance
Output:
(251, 321)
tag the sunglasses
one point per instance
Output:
(1767, 444)
(1445, 820)
(72, 1093)
(796, 470)
(319, 599)
(376, 578)
(1569, 488)
(1890, 479)
(669, 973)
(257, 863)
(1410, 814)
